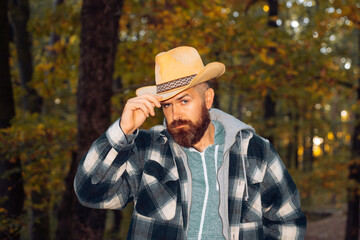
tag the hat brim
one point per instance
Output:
(210, 71)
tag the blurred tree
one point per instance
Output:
(353, 211)
(54, 37)
(32, 102)
(269, 101)
(100, 25)
(11, 181)
(302, 75)
(19, 12)
(7, 100)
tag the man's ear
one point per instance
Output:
(209, 97)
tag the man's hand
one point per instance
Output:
(136, 111)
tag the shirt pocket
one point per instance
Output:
(157, 197)
(252, 208)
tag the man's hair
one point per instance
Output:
(210, 83)
(202, 87)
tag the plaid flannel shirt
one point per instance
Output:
(149, 168)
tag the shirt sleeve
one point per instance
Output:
(108, 174)
(282, 216)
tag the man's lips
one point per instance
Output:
(182, 125)
(179, 124)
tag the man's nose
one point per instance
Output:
(176, 114)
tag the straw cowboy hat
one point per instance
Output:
(179, 69)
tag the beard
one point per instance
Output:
(190, 133)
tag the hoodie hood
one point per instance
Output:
(231, 125)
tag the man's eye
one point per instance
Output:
(184, 101)
(165, 105)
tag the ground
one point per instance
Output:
(331, 227)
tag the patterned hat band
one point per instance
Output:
(180, 82)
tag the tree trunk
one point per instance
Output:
(117, 223)
(66, 209)
(19, 12)
(100, 23)
(232, 98)
(239, 106)
(54, 37)
(6, 93)
(269, 103)
(32, 102)
(296, 142)
(353, 215)
(40, 219)
(12, 187)
(273, 12)
(215, 85)
(269, 115)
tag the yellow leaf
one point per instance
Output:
(73, 39)
(265, 59)
(44, 66)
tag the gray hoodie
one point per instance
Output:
(232, 127)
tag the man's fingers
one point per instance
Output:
(136, 107)
(149, 107)
(143, 108)
(145, 105)
(158, 98)
(150, 101)
(155, 99)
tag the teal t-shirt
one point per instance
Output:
(205, 221)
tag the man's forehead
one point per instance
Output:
(187, 92)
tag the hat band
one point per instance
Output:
(180, 82)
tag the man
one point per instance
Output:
(203, 175)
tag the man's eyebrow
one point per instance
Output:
(181, 97)
(177, 99)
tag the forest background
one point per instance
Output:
(67, 68)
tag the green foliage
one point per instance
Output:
(324, 185)
(44, 142)
(44, 146)
(304, 68)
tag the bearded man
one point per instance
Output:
(202, 175)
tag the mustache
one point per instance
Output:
(180, 122)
